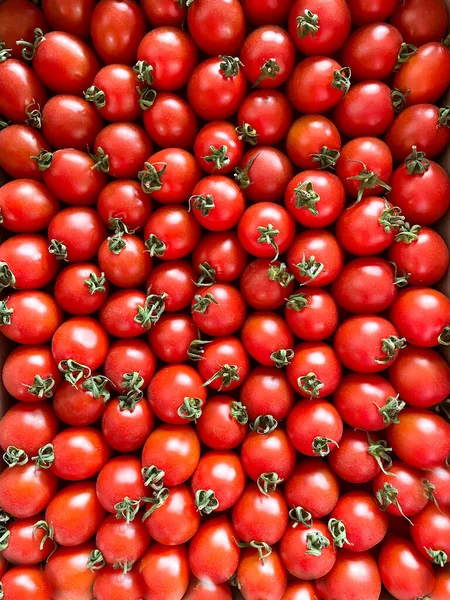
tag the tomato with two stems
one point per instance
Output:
(312, 486)
(165, 570)
(18, 143)
(266, 391)
(79, 453)
(127, 313)
(124, 260)
(420, 21)
(115, 93)
(176, 279)
(351, 571)
(401, 491)
(314, 369)
(223, 252)
(269, 113)
(219, 309)
(267, 339)
(264, 172)
(82, 405)
(172, 232)
(28, 426)
(113, 584)
(121, 542)
(27, 206)
(314, 427)
(81, 289)
(217, 27)
(69, 15)
(265, 284)
(313, 141)
(263, 453)
(124, 200)
(126, 145)
(222, 424)
(225, 363)
(22, 581)
(18, 20)
(24, 542)
(75, 234)
(80, 339)
(217, 203)
(26, 490)
(171, 122)
(359, 456)
(311, 315)
(218, 147)
(261, 578)
(67, 573)
(315, 258)
(171, 337)
(21, 92)
(126, 424)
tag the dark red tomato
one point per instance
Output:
(176, 520)
(441, 589)
(67, 573)
(24, 541)
(80, 339)
(272, 41)
(365, 167)
(163, 12)
(125, 314)
(308, 552)
(356, 459)
(25, 262)
(269, 113)
(405, 573)
(21, 92)
(312, 486)
(213, 552)
(23, 581)
(115, 93)
(423, 197)
(422, 316)
(80, 453)
(171, 232)
(172, 336)
(425, 259)
(217, 203)
(266, 12)
(267, 453)
(122, 542)
(126, 427)
(28, 426)
(264, 172)
(223, 423)
(80, 406)
(401, 492)
(314, 369)
(30, 373)
(170, 175)
(176, 394)
(124, 359)
(124, 260)
(315, 198)
(414, 438)
(223, 252)
(367, 401)
(81, 289)
(64, 63)
(29, 317)
(113, 584)
(266, 284)
(25, 491)
(72, 16)
(75, 234)
(75, 513)
(440, 478)
(258, 516)
(266, 230)
(267, 338)
(266, 391)
(367, 285)
(126, 145)
(219, 309)
(261, 579)
(172, 55)
(121, 478)
(70, 122)
(171, 122)
(225, 365)
(312, 315)
(367, 109)
(372, 51)
(18, 143)
(217, 87)
(319, 28)
(165, 570)
(421, 125)
(124, 200)
(421, 22)
(220, 471)
(313, 142)
(350, 572)
(421, 377)
(218, 147)
(367, 227)
(317, 84)
(26, 206)
(18, 20)
(314, 427)
(315, 258)
(176, 279)
(116, 30)
(421, 74)
(175, 449)
(199, 590)
(370, 11)
(218, 27)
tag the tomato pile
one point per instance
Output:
(217, 277)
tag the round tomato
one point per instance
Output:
(267, 339)
(217, 27)
(129, 313)
(81, 289)
(217, 203)
(223, 252)
(25, 540)
(75, 234)
(350, 572)
(265, 284)
(358, 460)
(79, 340)
(171, 337)
(313, 141)
(163, 12)
(113, 584)
(126, 424)
(120, 486)
(314, 487)
(315, 258)
(117, 93)
(199, 590)
(124, 203)
(81, 405)
(222, 424)
(121, 542)
(314, 427)
(400, 491)
(27, 206)
(26, 263)
(421, 21)
(312, 315)
(268, 113)
(171, 122)
(126, 145)
(218, 147)
(225, 363)
(171, 232)
(25, 581)
(261, 578)
(67, 573)
(218, 310)
(25, 490)
(265, 12)
(124, 260)
(165, 570)
(314, 369)
(28, 426)
(264, 172)
(79, 453)
(267, 454)
(266, 391)
(18, 144)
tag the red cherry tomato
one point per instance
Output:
(350, 571)
(311, 315)
(126, 145)
(315, 258)
(25, 490)
(314, 370)
(20, 92)
(401, 492)
(222, 424)
(27, 206)
(421, 22)
(165, 570)
(25, 581)
(72, 16)
(269, 113)
(67, 573)
(124, 200)
(218, 147)
(122, 542)
(223, 252)
(226, 363)
(267, 453)
(357, 459)
(218, 310)
(115, 93)
(113, 584)
(266, 284)
(81, 289)
(18, 20)
(264, 171)
(163, 12)
(81, 405)
(171, 122)
(266, 391)
(18, 143)
(26, 262)
(258, 579)
(28, 426)
(24, 541)
(217, 203)
(172, 336)
(314, 427)
(171, 232)
(313, 141)
(218, 28)
(267, 339)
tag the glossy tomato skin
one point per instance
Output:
(421, 22)
(76, 405)
(442, 585)
(354, 450)
(70, 122)
(171, 337)
(267, 453)
(407, 481)
(350, 572)
(112, 584)
(264, 334)
(313, 486)
(218, 134)
(259, 580)
(267, 12)
(71, 16)
(220, 352)
(227, 197)
(312, 315)
(25, 580)
(176, 228)
(266, 284)
(66, 571)
(171, 122)
(320, 247)
(28, 426)
(118, 313)
(403, 570)
(119, 85)
(440, 478)
(127, 430)
(334, 27)
(25, 491)
(319, 359)
(269, 112)
(125, 357)
(128, 268)
(175, 449)
(116, 30)
(311, 419)
(412, 438)
(27, 206)
(127, 146)
(269, 170)
(165, 570)
(213, 552)
(224, 252)
(218, 28)
(19, 19)
(29, 260)
(421, 377)
(218, 427)
(19, 89)
(120, 541)
(176, 278)
(120, 477)
(81, 339)
(223, 316)
(307, 136)
(18, 143)
(266, 391)
(80, 230)
(163, 12)
(76, 290)
(431, 530)
(80, 452)
(199, 590)
(64, 63)
(124, 200)
(24, 547)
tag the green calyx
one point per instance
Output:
(405, 53)
(230, 66)
(264, 550)
(398, 99)
(206, 502)
(227, 374)
(204, 204)
(338, 533)
(43, 159)
(42, 388)
(5, 313)
(327, 158)
(239, 412)
(300, 516)
(307, 24)
(379, 450)
(147, 97)
(416, 163)
(242, 177)
(321, 445)
(155, 502)
(150, 313)
(368, 180)
(444, 117)
(202, 303)
(316, 542)
(306, 197)
(298, 302)
(280, 274)
(391, 410)
(310, 384)
(439, 557)
(428, 490)
(5, 53)
(95, 95)
(207, 275)
(132, 383)
(150, 177)
(191, 409)
(101, 160)
(153, 477)
(49, 533)
(386, 496)
(59, 250)
(341, 80)
(97, 386)
(400, 279)
(269, 69)
(282, 358)
(7, 278)
(74, 371)
(4, 537)
(196, 350)
(391, 218)
(34, 117)
(96, 561)
(116, 243)
(218, 156)
(247, 133)
(267, 236)
(29, 48)
(14, 456)
(408, 233)
(268, 482)
(144, 72)
(96, 283)
(127, 509)
(444, 336)
(264, 424)
(155, 246)
(45, 457)
(390, 347)
(309, 267)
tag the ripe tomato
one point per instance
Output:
(171, 337)
(81, 405)
(319, 28)
(218, 147)
(265, 284)
(80, 339)
(217, 203)
(300, 590)
(24, 541)
(21, 92)
(405, 573)
(28, 426)
(124, 202)
(307, 552)
(269, 113)
(176, 279)
(421, 377)
(25, 581)
(218, 28)
(75, 234)
(116, 93)
(312, 486)
(222, 424)
(357, 460)
(81, 289)
(165, 570)
(116, 30)
(266, 391)
(314, 369)
(171, 232)
(261, 578)
(128, 313)
(67, 573)
(440, 478)
(413, 439)
(120, 486)
(266, 12)
(218, 310)
(113, 584)
(25, 490)
(199, 590)
(126, 425)
(267, 453)
(421, 22)
(314, 427)
(225, 363)
(163, 12)
(264, 171)
(25, 262)
(124, 360)
(124, 260)
(79, 453)
(312, 315)
(121, 542)
(350, 572)
(401, 492)
(313, 141)
(27, 206)
(18, 20)
(18, 143)
(72, 16)
(315, 258)
(223, 252)
(171, 122)
(126, 145)
(267, 339)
